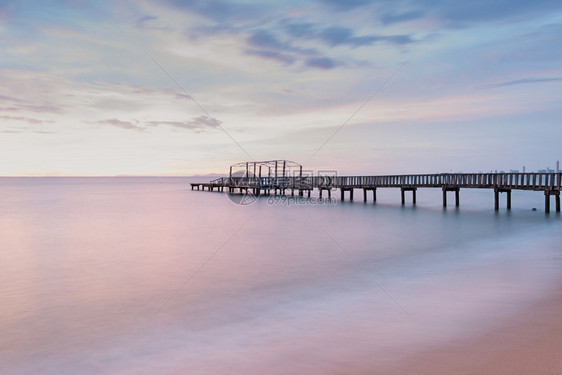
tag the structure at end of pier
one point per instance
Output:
(269, 168)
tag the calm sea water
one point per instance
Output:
(143, 276)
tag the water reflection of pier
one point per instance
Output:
(282, 177)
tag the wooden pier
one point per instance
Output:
(248, 183)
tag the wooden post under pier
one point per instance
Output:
(366, 189)
(301, 192)
(329, 190)
(547, 194)
(456, 189)
(343, 190)
(497, 192)
(457, 197)
(412, 189)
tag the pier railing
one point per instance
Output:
(526, 181)
(522, 181)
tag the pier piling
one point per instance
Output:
(497, 192)
(412, 189)
(457, 195)
(365, 193)
(343, 190)
(547, 194)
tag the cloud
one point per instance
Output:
(22, 105)
(288, 40)
(128, 125)
(197, 124)
(9, 99)
(43, 108)
(346, 4)
(300, 30)
(458, 14)
(18, 129)
(454, 14)
(335, 36)
(144, 19)
(394, 17)
(272, 55)
(150, 23)
(267, 45)
(322, 63)
(522, 81)
(219, 10)
(26, 131)
(398, 39)
(206, 31)
(28, 120)
(265, 39)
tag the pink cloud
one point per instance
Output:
(122, 124)
(28, 120)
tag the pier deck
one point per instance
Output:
(549, 183)
(280, 181)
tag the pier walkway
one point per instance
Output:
(281, 183)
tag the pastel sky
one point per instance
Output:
(422, 86)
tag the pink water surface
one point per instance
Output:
(143, 276)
